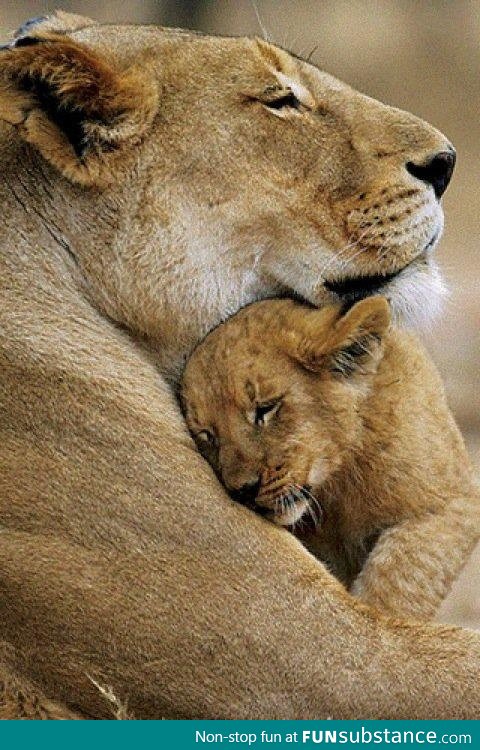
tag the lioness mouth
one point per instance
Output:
(359, 287)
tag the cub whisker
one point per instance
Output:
(314, 507)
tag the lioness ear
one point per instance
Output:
(72, 105)
(344, 344)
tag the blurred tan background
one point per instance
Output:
(418, 55)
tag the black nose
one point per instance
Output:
(436, 171)
(247, 493)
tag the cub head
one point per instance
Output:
(272, 395)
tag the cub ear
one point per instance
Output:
(357, 338)
(71, 104)
(343, 344)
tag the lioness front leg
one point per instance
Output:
(412, 566)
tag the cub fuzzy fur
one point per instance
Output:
(334, 416)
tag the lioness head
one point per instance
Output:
(203, 173)
(272, 395)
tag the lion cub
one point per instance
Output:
(333, 419)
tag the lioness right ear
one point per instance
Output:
(71, 104)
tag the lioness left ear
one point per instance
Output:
(73, 105)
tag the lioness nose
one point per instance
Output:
(247, 493)
(436, 171)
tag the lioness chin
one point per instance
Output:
(154, 181)
(334, 417)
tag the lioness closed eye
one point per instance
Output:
(333, 418)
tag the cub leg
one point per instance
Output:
(413, 565)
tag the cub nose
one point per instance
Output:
(436, 171)
(247, 493)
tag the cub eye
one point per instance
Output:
(205, 436)
(265, 412)
(288, 99)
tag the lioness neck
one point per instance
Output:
(93, 242)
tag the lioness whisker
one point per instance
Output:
(339, 258)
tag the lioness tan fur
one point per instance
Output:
(150, 187)
(329, 414)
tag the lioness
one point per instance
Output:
(153, 182)
(303, 411)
